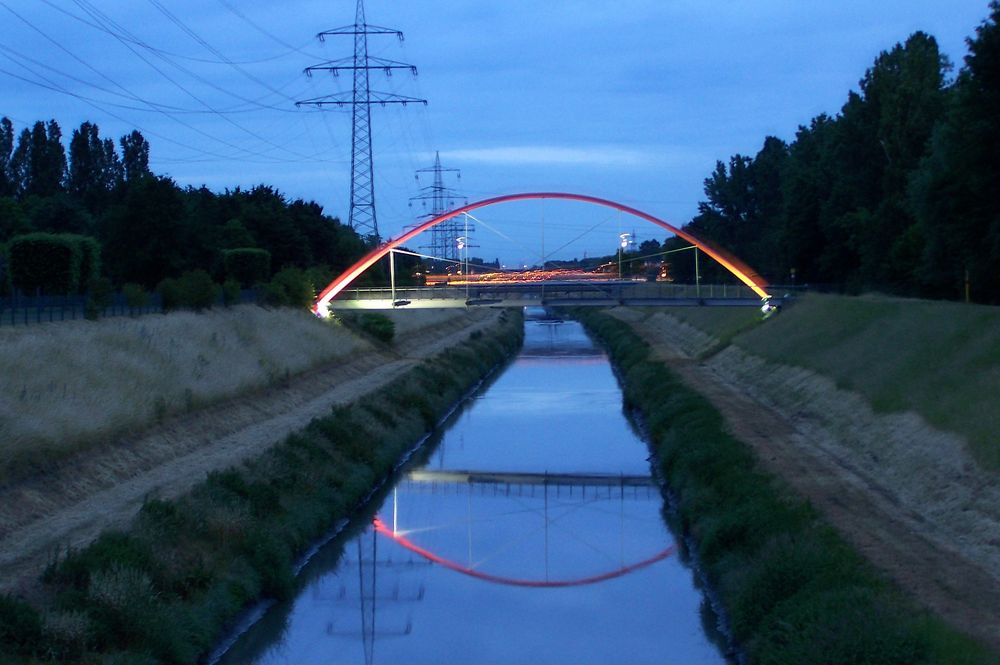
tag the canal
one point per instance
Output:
(531, 533)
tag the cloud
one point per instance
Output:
(542, 155)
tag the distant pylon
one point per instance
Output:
(362, 216)
(444, 236)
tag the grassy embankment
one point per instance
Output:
(74, 385)
(793, 590)
(164, 590)
(940, 360)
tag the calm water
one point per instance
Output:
(572, 570)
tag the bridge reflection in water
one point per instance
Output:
(514, 524)
(484, 557)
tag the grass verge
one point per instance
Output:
(164, 590)
(793, 590)
(73, 386)
(938, 359)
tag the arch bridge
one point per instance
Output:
(535, 294)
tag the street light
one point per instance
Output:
(623, 245)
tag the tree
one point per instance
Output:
(13, 220)
(60, 213)
(651, 246)
(38, 164)
(906, 92)
(247, 265)
(135, 156)
(265, 213)
(7, 185)
(145, 236)
(953, 193)
(743, 206)
(94, 168)
(233, 235)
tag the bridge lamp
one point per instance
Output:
(623, 237)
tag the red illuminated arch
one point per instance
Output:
(742, 271)
(381, 528)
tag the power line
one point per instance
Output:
(214, 51)
(49, 84)
(98, 15)
(263, 31)
(362, 213)
(165, 52)
(52, 86)
(127, 39)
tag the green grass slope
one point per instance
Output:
(938, 359)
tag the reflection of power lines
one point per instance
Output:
(374, 601)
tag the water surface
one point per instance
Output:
(541, 542)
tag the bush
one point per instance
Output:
(45, 262)
(851, 624)
(170, 293)
(100, 295)
(53, 263)
(290, 287)
(379, 326)
(4, 273)
(136, 297)
(198, 291)
(192, 290)
(231, 292)
(20, 627)
(90, 259)
(247, 265)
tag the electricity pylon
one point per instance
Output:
(444, 236)
(362, 216)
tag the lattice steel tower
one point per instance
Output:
(362, 216)
(444, 236)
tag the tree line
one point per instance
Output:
(897, 192)
(147, 227)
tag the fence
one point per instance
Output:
(19, 309)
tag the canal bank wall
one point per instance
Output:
(793, 590)
(166, 588)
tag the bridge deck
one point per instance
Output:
(566, 294)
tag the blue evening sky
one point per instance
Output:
(631, 100)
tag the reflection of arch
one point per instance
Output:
(381, 528)
(742, 271)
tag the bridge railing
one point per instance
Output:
(615, 290)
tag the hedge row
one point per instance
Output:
(793, 590)
(53, 263)
(165, 590)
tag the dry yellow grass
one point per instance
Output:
(67, 385)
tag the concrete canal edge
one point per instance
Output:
(167, 588)
(792, 590)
